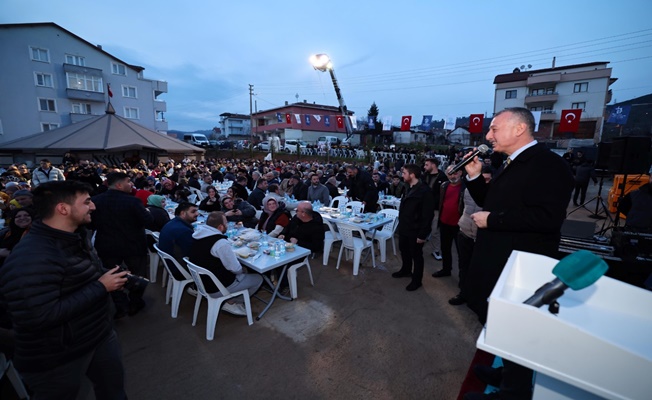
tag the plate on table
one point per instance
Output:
(244, 252)
(356, 220)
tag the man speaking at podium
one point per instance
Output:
(524, 206)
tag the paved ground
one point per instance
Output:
(347, 337)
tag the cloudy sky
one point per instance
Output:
(410, 57)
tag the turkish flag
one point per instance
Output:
(570, 120)
(475, 123)
(108, 87)
(340, 122)
(406, 121)
(288, 118)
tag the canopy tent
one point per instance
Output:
(108, 137)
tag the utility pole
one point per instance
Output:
(251, 119)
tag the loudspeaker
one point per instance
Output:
(630, 155)
(604, 154)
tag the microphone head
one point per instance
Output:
(483, 148)
(580, 269)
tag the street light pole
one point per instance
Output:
(322, 62)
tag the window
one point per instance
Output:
(542, 91)
(39, 54)
(46, 126)
(131, 113)
(75, 60)
(581, 105)
(84, 82)
(581, 87)
(160, 116)
(118, 69)
(44, 80)
(81, 108)
(510, 94)
(129, 91)
(47, 105)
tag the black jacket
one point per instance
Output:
(120, 221)
(363, 189)
(160, 217)
(416, 212)
(59, 309)
(309, 234)
(434, 181)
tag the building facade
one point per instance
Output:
(235, 124)
(52, 78)
(305, 121)
(551, 90)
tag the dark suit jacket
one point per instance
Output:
(527, 201)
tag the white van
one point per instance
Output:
(196, 139)
(331, 141)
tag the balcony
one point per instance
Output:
(549, 98)
(548, 115)
(85, 95)
(541, 79)
(159, 88)
(161, 126)
(160, 106)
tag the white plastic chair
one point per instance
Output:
(292, 276)
(387, 233)
(356, 206)
(338, 201)
(215, 300)
(154, 259)
(330, 237)
(175, 287)
(199, 195)
(355, 244)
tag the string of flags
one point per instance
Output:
(569, 121)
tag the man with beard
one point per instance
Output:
(317, 191)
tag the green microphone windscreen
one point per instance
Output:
(580, 269)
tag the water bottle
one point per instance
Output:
(264, 240)
(277, 249)
(282, 248)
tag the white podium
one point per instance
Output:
(598, 346)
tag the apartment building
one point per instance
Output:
(235, 124)
(303, 120)
(52, 78)
(551, 90)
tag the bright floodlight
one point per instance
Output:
(321, 62)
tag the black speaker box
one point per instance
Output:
(604, 154)
(630, 155)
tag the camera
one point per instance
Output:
(134, 283)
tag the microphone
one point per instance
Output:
(482, 149)
(576, 271)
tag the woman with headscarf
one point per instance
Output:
(212, 201)
(274, 217)
(156, 206)
(21, 221)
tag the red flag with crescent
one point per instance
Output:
(108, 87)
(340, 122)
(288, 118)
(475, 123)
(406, 122)
(570, 120)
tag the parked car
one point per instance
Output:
(263, 146)
(212, 143)
(291, 145)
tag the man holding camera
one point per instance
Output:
(57, 294)
(120, 219)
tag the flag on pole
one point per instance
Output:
(425, 123)
(307, 119)
(327, 120)
(570, 120)
(619, 114)
(537, 119)
(450, 123)
(298, 118)
(317, 117)
(406, 122)
(108, 86)
(354, 122)
(371, 123)
(387, 123)
(288, 119)
(278, 117)
(475, 123)
(340, 121)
